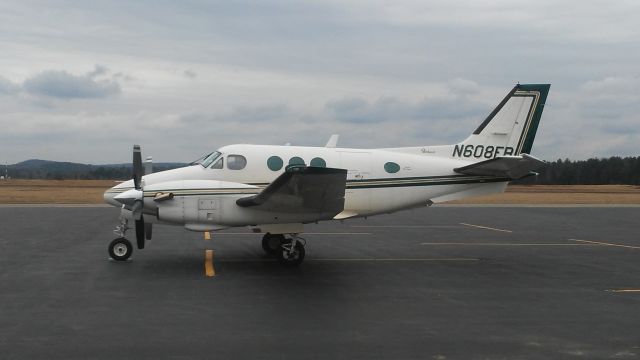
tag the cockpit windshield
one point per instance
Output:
(206, 160)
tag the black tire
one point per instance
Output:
(120, 249)
(291, 260)
(271, 243)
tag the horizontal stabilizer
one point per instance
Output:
(302, 189)
(512, 167)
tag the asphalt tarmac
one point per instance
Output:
(432, 283)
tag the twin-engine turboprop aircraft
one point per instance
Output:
(277, 189)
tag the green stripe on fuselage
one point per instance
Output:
(351, 184)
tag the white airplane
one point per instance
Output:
(275, 190)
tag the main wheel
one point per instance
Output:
(290, 257)
(272, 242)
(120, 249)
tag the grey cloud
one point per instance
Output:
(189, 74)
(7, 87)
(98, 71)
(240, 115)
(463, 87)
(357, 110)
(273, 51)
(612, 98)
(123, 77)
(63, 85)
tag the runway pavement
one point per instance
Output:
(433, 283)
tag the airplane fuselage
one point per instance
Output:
(204, 197)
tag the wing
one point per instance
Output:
(513, 167)
(302, 189)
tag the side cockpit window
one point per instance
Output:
(210, 159)
(218, 164)
(236, 162)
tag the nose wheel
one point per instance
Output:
(120, 249)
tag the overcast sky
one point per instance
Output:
(83, 81)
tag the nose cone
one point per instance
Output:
(109, 197)
(129, 197)
(110, 194)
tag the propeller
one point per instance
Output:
(134, 198)
(138, 171)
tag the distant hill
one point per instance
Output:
(46, 169)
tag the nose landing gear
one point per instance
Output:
(120, 249)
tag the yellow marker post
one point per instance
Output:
(208, 263)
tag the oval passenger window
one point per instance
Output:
(391, 167)
(274, 163)
(296, 161)
(318, 162)
(236, 162)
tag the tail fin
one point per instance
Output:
(510, 128)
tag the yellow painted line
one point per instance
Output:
(208, 263)
(207, 235)
(486, 227)
(503, 244)
(624, 290)
(605, 244)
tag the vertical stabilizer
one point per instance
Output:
(510, 128)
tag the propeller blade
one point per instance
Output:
(136, 209)
(140, 232)
(147, 230)
(138, 170)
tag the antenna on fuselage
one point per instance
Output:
(148, 165)
(333, 141)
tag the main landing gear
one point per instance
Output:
(288, 250)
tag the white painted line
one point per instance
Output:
(55, 206)
(503, 244)
(624, 290)
(306, 233)
(407, 226)
(486, 227)
(360, 260)
(399, 259)
(537, 205)
(338, 233)
(605, 244)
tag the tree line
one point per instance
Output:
(597, 171)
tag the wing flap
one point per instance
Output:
(513, 167)
(302, 189)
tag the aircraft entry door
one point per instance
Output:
(358, 165)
